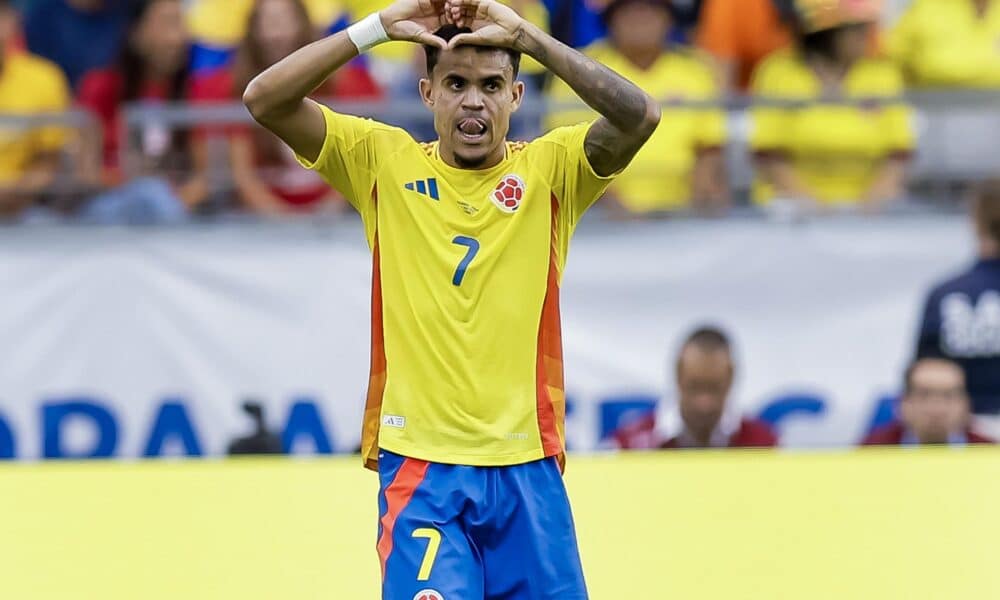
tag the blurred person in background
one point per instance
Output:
(152, 68)
(29, 155)
(961, 317)
(948, 44)
(704, 416)
(741, 33)
(580, 23)
(685, 15)
(681, 166)
(576, 23)
(268, 179)
(218, 27)
(934, 408)
(77, 35)
(829, 155)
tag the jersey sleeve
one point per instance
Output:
(769, 127)
(349, 160)
(55, 91)
(900, 137)
(898, 134)
(898, 40)
(573, 180)
(711, 128)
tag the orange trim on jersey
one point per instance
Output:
(397, 496)
(550, 392)
(376, 378)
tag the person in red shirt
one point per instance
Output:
(934, 409)
(267, 177)
(704, 416)
(169, 162)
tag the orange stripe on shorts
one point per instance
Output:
(397, 496)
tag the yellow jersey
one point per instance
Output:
(835, 149)
(223, 23)
(466, 354)
(30, 85)
(946, 44)
(659, 177)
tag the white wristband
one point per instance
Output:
(368, 33)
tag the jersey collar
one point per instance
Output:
(497, 167)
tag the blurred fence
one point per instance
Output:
(956, 131)
(80, 159)
(956, 134)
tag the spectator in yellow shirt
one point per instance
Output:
(29, 86)
(953, 43)
(681, 165)
(218, 26)
(827, 153)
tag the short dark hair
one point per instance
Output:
(132, 64)
(447, 32)
(612, 7)
(824, 42)
(916, 363)
(708, 338)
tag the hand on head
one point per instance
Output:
(492, 23)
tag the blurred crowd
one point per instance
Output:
(828, 124)
(950, 388)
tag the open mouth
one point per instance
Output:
(472, 130)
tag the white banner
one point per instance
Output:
(145, 342)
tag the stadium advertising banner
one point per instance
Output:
(146, 342)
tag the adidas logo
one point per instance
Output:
(426, 187)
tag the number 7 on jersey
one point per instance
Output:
(473, 247)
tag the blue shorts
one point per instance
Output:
(452, 532)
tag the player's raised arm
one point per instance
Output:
(278, 97)
(628, 115)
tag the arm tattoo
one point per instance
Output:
(628, 115)
(607, 92)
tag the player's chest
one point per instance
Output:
(499, 204)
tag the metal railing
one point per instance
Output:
(956, 130)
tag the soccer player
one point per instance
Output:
(469, 234)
